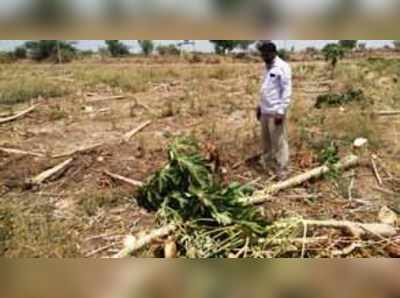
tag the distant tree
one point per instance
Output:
(223, 47)
(333, 53)
(103, 53)
(147, 46)
(312, 51)
(284, 54)
(348, 44)
(20, 52)
(117, 48)
(362, 46)
(396, 44)
(245, 44)
(171, 49)
(58, 50)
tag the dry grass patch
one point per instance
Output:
(25, 89)
(33, 230)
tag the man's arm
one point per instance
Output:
(286, 91)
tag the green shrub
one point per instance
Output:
(147, 46)
(7, 57)
(284, 54)
(333, 53)
(20, 53)
(329, 154)
(223, 47)
(348, 44)
(51, 49)
(169, 50)
(339, 99)
(396, 44)
(117, 48)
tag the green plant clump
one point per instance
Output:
(339, 99)
(214, 217)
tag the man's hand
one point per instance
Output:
(258, 112)
(279, 120)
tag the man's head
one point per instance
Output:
(268, 51)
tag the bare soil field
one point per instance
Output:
(85, 109)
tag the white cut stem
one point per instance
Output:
(133, 132)
(96, 99)
(351, 186)
(39, 179)
(376, 173)
(21, 152)
(263, 195)
(303, 249)
(124, 179)
(19, 115)
(388, 113)
(145, 240)
(356, 229)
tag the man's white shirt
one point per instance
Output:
(276, 90)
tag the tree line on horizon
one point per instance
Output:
(64, 51)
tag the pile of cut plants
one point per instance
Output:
(205, 218)
(214, 219)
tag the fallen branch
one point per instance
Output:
(133, 244)
(90, 110)
(356, 229)
(124, 179)
(105, 110)
(347, 250)
(376, 173)
(18, 115)
(263, 195)
(131, 133)
(39, 179)
(96, 99)
(299, 241)
(387, 113)
(303, 196)
(351, 186)
(21, 152)
(99, 250)
(385, 191)
(80, 150)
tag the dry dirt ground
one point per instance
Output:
(84, 213)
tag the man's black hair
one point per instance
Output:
(267, 46)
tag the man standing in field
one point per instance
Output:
(276, 95)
